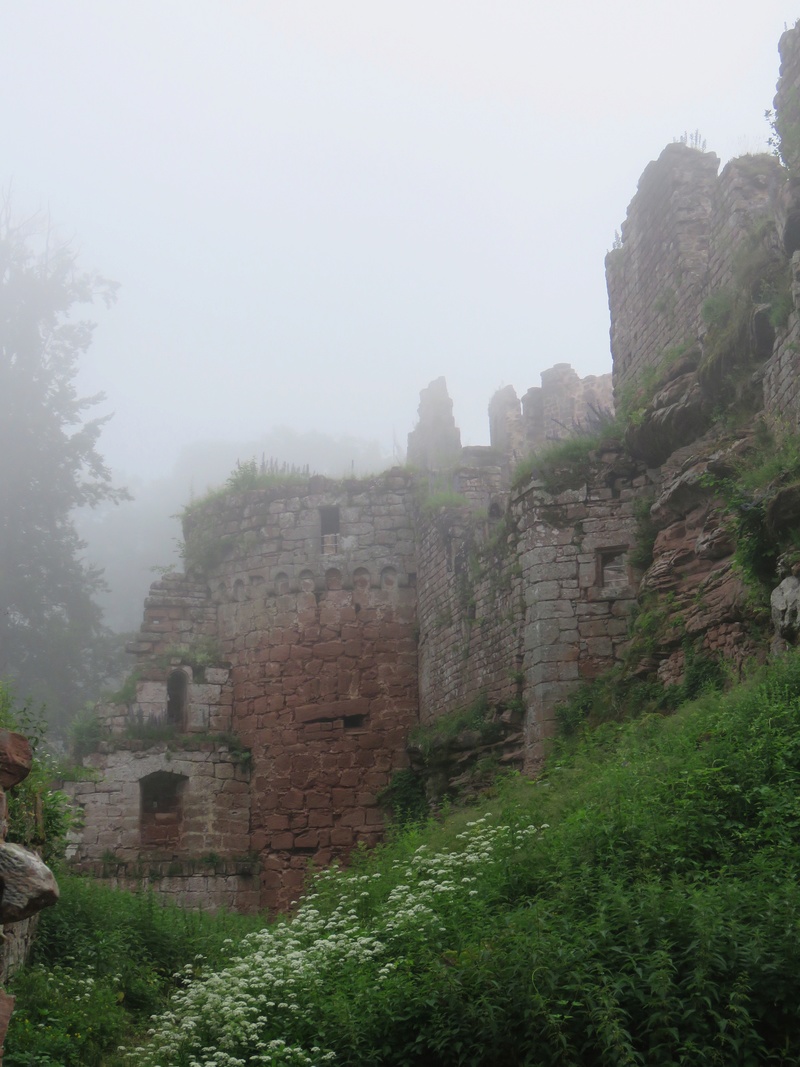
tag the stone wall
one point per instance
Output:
(176, 612)
(310, 607)
(157, 810)
(470, 610)
(787, 98)
(657, 278)
(744, 197)
(781, 377)
(579, 587)
(563, 404)
(682, 240)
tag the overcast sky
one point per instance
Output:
(314, 207)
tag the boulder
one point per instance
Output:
(26, 883)
(785, 608)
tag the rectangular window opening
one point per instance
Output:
(613, 568)
(329, 529)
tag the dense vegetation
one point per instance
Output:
(636, 905)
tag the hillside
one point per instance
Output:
(636, 904)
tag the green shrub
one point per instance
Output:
(85, 732)
(566, 464)
(39, 816)
(405, 798)
(477, 717)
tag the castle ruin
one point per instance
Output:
(319, 622)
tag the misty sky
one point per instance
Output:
(314, 207)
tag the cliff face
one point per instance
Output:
(320, 622)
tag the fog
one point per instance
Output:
(314, 208)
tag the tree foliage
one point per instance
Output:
(50, 628)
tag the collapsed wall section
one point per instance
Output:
(781, 379)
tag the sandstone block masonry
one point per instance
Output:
(301, 610)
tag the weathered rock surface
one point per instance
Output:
(15, 758)
(28, 884)
(677, 415)
(783, 509)
(785, 608)
(787, 215)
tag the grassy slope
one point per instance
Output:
(637, 905)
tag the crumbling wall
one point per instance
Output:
(781, 377)
(176, 613)
(744, 198)
(304, 596)
(657, 277)
(435, 442)
(561, 406)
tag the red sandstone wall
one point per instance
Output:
(322, 642)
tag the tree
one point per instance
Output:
(50, 627)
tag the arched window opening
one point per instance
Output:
(161, 808)
(177, 691)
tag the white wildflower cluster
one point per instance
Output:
(355, 924)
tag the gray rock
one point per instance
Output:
(27, 883)
(785, 608)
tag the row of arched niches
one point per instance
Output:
(258, 587)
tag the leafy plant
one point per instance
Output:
(39, 816)
(566, 464)
(636, 904)
(405, 798)
(477, 717)
(85, 732)
(640, 554)
(126, 694)
(199, 654)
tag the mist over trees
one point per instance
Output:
(54, 648)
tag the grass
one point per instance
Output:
(637, 904)
(104, 961)
(566, 464)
